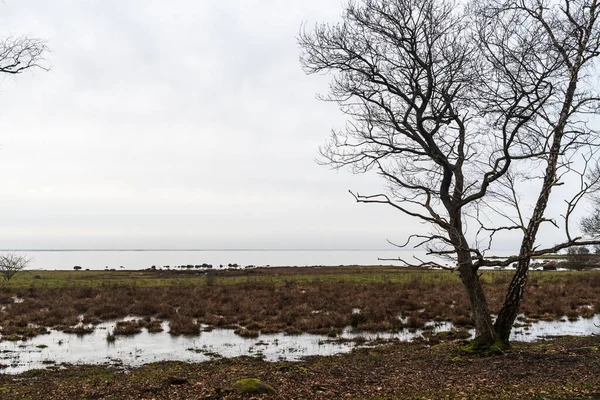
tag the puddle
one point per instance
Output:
(59, 347)
(541, 329)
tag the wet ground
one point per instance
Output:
(558, 368)
(94, 348)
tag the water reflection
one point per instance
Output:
(58, 347)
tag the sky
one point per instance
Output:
(179, 124)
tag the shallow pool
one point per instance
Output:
(59, 347)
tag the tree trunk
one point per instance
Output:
(512, 303)
(516, 290)
(484, 330)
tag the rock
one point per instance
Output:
(252, 386)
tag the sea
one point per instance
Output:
(134, 259)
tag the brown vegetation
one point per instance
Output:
(126, 328)
(183, 325)
(267, 301)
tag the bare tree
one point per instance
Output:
(579, 257)
(11, 264)
(590, 225)
(456, 108)
(18, 54)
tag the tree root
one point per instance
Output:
(497, 347)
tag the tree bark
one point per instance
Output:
(484, 329)
(512, 303)
(516, 290)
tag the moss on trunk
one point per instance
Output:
(497, 346)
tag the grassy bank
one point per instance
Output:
(563, 368)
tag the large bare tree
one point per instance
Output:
(459, 107)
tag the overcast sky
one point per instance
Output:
(175, 124)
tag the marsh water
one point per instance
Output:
(57, 347)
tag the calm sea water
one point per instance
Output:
(138, 259)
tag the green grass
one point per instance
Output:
(61, 279)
